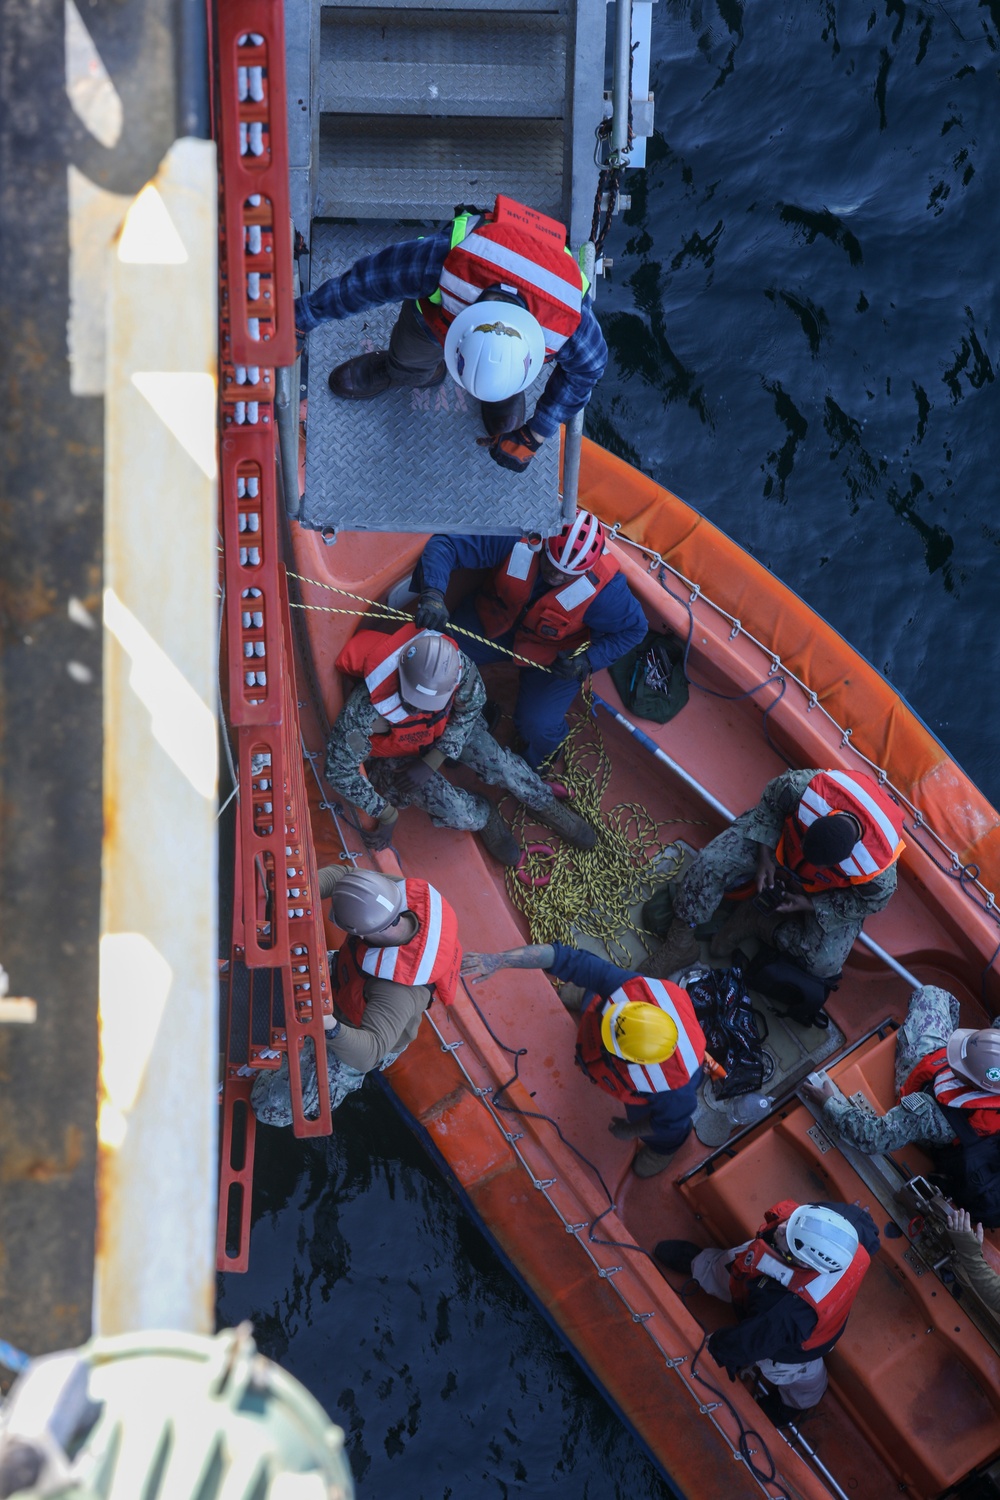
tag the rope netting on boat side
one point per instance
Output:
(566, 892)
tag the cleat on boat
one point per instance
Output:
(676, 1255)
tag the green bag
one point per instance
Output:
(650, 678)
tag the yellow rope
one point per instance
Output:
(592, 891)
(404, 615)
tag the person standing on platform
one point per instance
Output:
(491, 298)
(564, 605)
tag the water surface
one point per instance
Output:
(803, 330)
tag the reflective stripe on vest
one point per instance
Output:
(375, 659)
(454, 294)
(520, 560)
(650, 1078)
(831, 1294)
(433, 955)
(953, 1092)
(881, 822)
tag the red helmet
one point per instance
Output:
(578, 546)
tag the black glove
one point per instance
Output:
(382, 835)
(512, 450)
(415, 775)
(570, 667)
(432, 612)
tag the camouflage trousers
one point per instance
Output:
(728, 862)
(450, 806)
(931, 1017)
(271, 1096)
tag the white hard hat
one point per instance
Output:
(821, 1239)
(975, 1053)
(494, 349)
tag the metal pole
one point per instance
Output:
(730, 817)
(286, 407)
(574, 428)
(621, 83)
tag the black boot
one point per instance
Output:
(569, 824)
(499, 840)
(677, 1255)
(504, 416)
(361, 378)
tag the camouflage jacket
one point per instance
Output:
(916, 1118)
(764, 823)
(350, 742)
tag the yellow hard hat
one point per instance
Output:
(638, 1031)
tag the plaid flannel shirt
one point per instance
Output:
(412, 269)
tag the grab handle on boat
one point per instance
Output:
(730, 817)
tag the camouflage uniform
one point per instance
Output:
(931, 1018)
(819, 940)
(466, 739)
(271, 1096)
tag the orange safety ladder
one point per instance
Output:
(275, 988)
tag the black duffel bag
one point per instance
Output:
(795, 994)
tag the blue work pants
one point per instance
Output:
(542, 700)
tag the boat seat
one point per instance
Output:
(915, 1373)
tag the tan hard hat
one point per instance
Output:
(976, 1055)
(429, 671)
(365, 902)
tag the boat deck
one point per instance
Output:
(914, 1400)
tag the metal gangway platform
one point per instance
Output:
(398, 114)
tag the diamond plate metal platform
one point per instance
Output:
(408, 460)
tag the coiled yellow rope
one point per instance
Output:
(592, 891)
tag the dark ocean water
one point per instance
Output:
(803, 326)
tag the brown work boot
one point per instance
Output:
(498, 839)
(361, 378)
(678, 949)
(648, 1163)
(568, 824)
(745, 920)
(503, 416)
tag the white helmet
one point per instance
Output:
(494, 349)
(821, 1239)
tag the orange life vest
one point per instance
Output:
(433, 956)
(830, 1293)
(630, 1082)
(954, 1092)
(554, 622)
(375, 658)
(514, 247)
(879, 846)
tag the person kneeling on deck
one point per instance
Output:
(401, 951)
(792, 1288)
(638, 1039)
(493, 297)
(948, 1084)
(419, 703)
(565, 605)
(821, 849)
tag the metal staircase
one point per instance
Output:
(420, 107)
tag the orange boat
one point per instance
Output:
(489, 1084)
(914, 1398)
